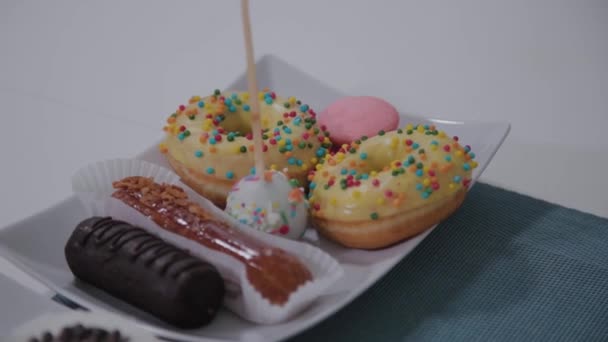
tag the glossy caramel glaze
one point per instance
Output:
(275, 273)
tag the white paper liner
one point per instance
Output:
(93, 186)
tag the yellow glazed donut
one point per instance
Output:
(379, 191)
(210, 145)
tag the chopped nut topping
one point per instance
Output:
(152, 193)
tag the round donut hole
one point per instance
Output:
(379, 160)
(236, 123)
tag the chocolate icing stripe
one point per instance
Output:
(152, 249)
(143, 244)
(172, 259)
(186, 265)
(163, 251)
(113, 240)
(96, 226)
(130, 236)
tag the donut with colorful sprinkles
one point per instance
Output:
(378, 191)
(209, 142)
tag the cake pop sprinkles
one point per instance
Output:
(270, 203)
(209, 142)
(409, 170)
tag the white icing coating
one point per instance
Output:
(269, 203)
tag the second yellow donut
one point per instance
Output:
(378, 191)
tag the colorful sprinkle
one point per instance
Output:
(198, 153)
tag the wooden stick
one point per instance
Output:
(256, 125)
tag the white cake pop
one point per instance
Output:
(269, 203)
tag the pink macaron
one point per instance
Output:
(352, 117)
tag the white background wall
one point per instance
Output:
(87, 80)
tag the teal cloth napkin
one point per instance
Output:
(505, 267)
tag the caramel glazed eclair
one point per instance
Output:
(273, 272)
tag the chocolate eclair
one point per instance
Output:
(145, 271)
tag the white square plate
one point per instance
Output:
(36, 244)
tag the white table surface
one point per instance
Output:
(82, 81)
